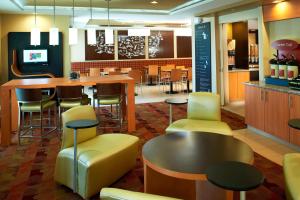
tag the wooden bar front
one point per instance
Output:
(9, 114)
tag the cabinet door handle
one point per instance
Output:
(266, 96)
(290, 101)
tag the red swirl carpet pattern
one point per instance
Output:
(26, 172)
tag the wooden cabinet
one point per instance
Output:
(294, 113)
(269, 111)
(276, 114)
(254, 107)
(236, 86)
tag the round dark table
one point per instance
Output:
(188, 155)
(294, 123)
(79, 124)
(235, 176)
(174, 101)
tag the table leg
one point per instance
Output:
(151, 81)
(170, 115)
(171, 89)
(187, 87)
(75, 163)
(5, 116)
(242, 195)
(131, 106)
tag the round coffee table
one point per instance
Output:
(174, 101)
(235, 176)
(79, 124)
(186, 156)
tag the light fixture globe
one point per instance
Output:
(73, 36)
(53, 36)
(35, 36)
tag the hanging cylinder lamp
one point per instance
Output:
(73, 32)
(35, 34)
(54, 32)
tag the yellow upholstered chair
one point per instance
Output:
(101, 159)
(291, 166)
(203, 114)
(119, 194)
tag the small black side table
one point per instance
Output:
(294, 123)
(79, 124)
(174, 101)
(236, 176)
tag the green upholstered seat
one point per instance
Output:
(109, 100)
(36, 106)
(200, 125)
(291, 167)
(102, 159)
(203, 114)
(119, 194)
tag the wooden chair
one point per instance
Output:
(94, 72)
(137, 76)
(109, 69)
(152, 72)
(15, 70)
(180, 67)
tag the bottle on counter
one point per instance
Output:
(292, 68)
(274, 67)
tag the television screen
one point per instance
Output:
(35, 56)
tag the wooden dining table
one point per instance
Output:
(9, 105)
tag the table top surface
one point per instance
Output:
(294, 123)
(235, 176)
(81, 124)
(192, 153)
(53, 82)
(177, 101)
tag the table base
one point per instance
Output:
(160, 184)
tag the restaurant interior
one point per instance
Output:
(150, 99)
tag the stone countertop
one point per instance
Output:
(262, 84)
(243, 70)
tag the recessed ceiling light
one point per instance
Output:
(278, 1)
(154, 2)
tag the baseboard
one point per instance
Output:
(272, 137)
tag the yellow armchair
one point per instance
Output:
(291, 166)
(203, 114)
(119, 194)
(101, 159)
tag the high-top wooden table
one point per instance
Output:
(9, 106)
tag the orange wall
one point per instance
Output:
(280, 11)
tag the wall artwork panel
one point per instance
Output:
(161, 44)
(100, 51)
(130, 47)
(184, 46)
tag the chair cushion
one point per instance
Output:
(200, 125)
(119, 194)
(101, 161)
(69, 103)
(35, 107)
(291, 167)
(109, 100)
(204, 106)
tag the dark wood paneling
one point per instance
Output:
(184, 46)
(21, 41)
(100, 51)
(132, 47)
(240, 34)
(161, 44)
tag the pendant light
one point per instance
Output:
(109, 33)
(91, 32)
(35, 34)
(54, 35)
(73, 32)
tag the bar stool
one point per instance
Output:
(69, 97)
(30, 101)
(110, 94)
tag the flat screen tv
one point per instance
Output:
(35, 55)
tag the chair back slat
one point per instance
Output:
(69, 92)
(109, 89)
(153, 70)
(176, 75)
(29, 95)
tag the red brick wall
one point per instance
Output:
(84, 67)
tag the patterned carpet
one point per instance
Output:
(27, 170)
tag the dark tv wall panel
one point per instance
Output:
(21, 41)
(184, 46)
(240, 34)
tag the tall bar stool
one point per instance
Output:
(69, 97)
(110, 94)
(31, 101)
(137, 76)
